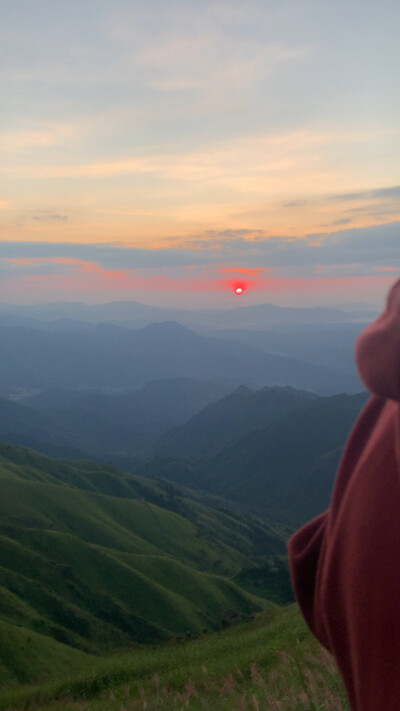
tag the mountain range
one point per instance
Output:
(220, 423)
(165, 420)
(272, 451)
(229, 426)
(111, 357)
(328, 344)
(136, 314)
(285, 468)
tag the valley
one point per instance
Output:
(150, 480)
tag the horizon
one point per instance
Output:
(356, 306)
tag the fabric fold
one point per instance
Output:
(345, 564)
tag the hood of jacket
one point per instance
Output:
(377, 350)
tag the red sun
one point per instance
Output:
(238, 288)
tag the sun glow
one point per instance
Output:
(238, 288)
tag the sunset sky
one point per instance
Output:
(163, 151)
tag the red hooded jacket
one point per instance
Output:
(345, 564)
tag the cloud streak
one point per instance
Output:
(243, 252)
(352, 264)
(89, 278)
(45, 216)
(286, 180)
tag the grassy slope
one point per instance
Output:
(26, 655)
(272, 662)
(86, 570)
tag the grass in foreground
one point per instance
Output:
(271, 664)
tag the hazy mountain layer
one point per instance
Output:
(111, 357)
(327, 344)
(221, 422)
(287, 468)
(109, 421)
(137, 314)
(97, 424)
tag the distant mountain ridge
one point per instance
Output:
(223, 421)
(80, 424)
(173, 399)
(142, 314)
(108, 356)
(285, 469)
(327, 344)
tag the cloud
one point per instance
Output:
(112, 256)
(285, 180)
(387, 269)
(241, 161)
(47, 266)
(251, 180)
(45, 216)
(241, 249)
(90, 170)
(56, 278)
(362, 262)
(388, 197)
(209, 51)
(377, 194)
(48, 136)
(254, 272)
(337, 223)
(294, 203)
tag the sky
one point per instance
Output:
(167, 151)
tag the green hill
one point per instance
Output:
(92, 559)
(285, 470)
(272, 663)
(26, 655)
(223, 422)
(279, 459)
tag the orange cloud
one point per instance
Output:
(122, 279)
(250, 272)
(50, 135)
(89, 277)
(81, 264)
(318, 284)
